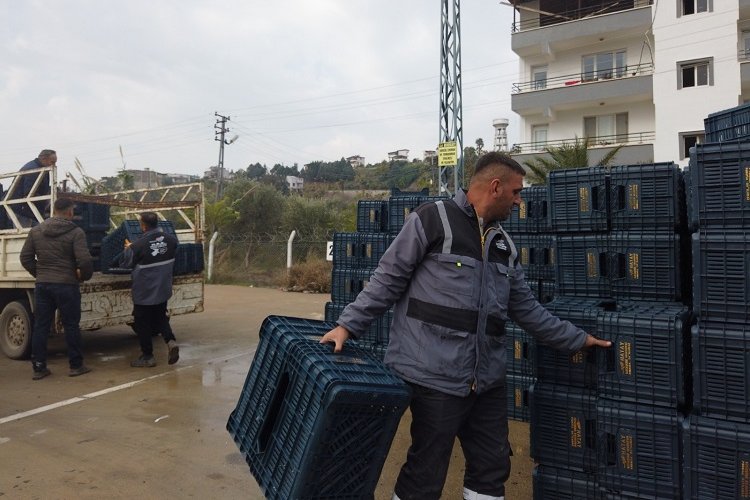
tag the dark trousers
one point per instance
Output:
(148, 321)
(481, 424)
(66, 299)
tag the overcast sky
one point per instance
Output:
(301, 80)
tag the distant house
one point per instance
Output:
(399, 155)
(356, 161)
(295, 183)
(429, 155)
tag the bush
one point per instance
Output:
(313, 275)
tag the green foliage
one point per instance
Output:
(255, 171)
(314, 216)
(319, 171)
(567, 155)
(259, 207)
(219, 215)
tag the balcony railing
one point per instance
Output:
(743, 55)
(594, 142)
(587, 77)
(550, 18)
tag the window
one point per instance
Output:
(695, 73)
(695, 6)
(745, 47)
(606, 129)
(539, 77)
(604, 65)
(539, 136)
(688, 140)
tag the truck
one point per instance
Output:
(105, 298)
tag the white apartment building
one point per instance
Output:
(641, 73)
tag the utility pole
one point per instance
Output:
(451, 127)
(221, 131)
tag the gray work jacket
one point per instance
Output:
(453, 286)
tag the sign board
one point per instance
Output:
(447, 154)
(329, 251)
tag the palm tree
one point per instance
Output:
(567, 155)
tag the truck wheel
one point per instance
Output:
(15, 330)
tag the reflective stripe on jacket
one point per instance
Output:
(453, 289)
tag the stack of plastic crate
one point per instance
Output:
(355, 257)
(608, 421)
(717, 434)
(93, 218)
(311, 423)
(529, 228)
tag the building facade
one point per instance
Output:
(638, 73)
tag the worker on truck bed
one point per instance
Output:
(454, 276)
(152, 259)
(56, 254)
(25, 183)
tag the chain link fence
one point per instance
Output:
(261, 259)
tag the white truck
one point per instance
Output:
(105, 299)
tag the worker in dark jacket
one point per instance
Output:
(455, 278)
(152, 259)
(25, 185)
(56, 254)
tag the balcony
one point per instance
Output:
(744, 59)
(637, 147)
(744, 9)
(547, 33)
(617, 85)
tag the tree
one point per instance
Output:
(255, 171)
(480, 146)
(127, 181)
(567, 155)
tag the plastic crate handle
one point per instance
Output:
(619, 192)
(272, 412)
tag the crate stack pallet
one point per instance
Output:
(606, 423)
(311, 423)
(529, 227)
(717, 434)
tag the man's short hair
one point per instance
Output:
(497, 158)
(63, 204)
(149, 219)
(47, 152)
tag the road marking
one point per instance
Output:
(91, 395)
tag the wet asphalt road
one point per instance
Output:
(120, 432)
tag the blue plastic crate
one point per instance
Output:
(520, 346)
(399, 207)
(716, 461)
(638, 450)
(532, 215)
(518, 402)
(582, 265)
(536, 253)
(731, 124)
(547, 291)
(645, 197)
(91, 216)
(372, 216)
(721, 370)
(559, 483)
(189, 259)
(720, 185)
(311, 423)
(359, 249)
(578, 200)
(645, 265)
(721, 267)
(579, 368)
(649, 361)
(563, 426)
(346, 283)
(376, 336)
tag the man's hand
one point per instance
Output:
(127, 243)
(338, 336)
(78, 274)
(592, 341)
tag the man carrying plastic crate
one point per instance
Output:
(454, 276)
(152, 259)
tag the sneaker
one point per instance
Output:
(74, 372)
(41, 373)
(143, 362)
(174, 352)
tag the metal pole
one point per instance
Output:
(289, 250)
(211, 254)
